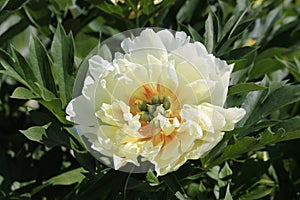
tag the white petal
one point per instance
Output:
(148, 43)
(80, 111)
(113, 114)
(165, 124)
(148, 39)
(233, 115)
(89, 87)
(99, 67)
(170, 42)
(202, 89)
(154, 67)
(221, 76)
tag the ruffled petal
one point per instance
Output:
(170, 42)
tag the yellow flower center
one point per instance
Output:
(153, 102)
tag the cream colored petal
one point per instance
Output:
(89, 87)
(106, 144)
(114, 113)
(154, 67)
(202, 89)
(148, 39)
(221, 75)
(202, 147)
(186, 71)
(196, 114)
(212, 118)
(104, 89)
(129, 80)
(165, 124)
(171, 156)
(222, 119)
(186, 95)
(98, 67)
(148, 43)
(169, 76)
(79, 111)
(170, 42)
(168, 153)
(232, 116)
(148, 151)
(193, 63)
(188, 133)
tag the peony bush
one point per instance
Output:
(95, 105)
(161, 101)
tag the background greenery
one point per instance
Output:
(43, 44)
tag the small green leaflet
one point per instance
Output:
(245, 87)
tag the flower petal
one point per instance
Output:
(170, 42)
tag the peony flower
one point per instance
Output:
(157, 104)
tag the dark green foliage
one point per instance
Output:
(43, 45)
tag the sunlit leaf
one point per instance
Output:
(67, 178)
(23, 93)
(36, 133)
(228, 195)
(151, 178)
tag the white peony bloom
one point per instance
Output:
(159, 103)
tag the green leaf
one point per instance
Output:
(7, 62)
(67, 178)
(251, 101)
(245, 87)
(195, 35)
(225, 171)
(15, 4)
(45, 93)
(22, 67)
(13, 31)
(239, 53)
(284, 131)
(276, 100)
(3, 3)
(237, 22)
(23, 93)
(283, 53)
(111, 9)
(38, 13)
(55, 107)
(209, 35)
(185, 13)
(273, 86)
(257, 193)
(228, 194)
(40, 64)
(36, 133)
(248, 175)
(293, 69)
(265, 66)
(151, 178)
(62, 51)
(147, 6)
